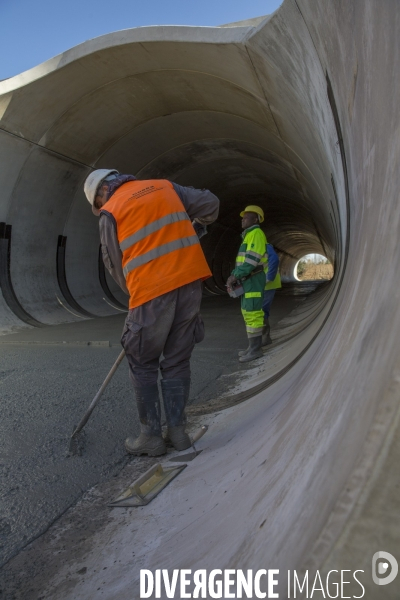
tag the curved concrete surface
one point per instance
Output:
(297, 113)
(195, 105)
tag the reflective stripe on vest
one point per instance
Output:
(253, 238)
(255, 254)
(142, 259)
(243, 257)
(152, 228)
(252, 295)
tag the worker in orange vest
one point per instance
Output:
(149, 232)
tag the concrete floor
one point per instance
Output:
(48, 378)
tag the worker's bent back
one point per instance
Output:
(160, 249)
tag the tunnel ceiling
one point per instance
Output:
(230, 109)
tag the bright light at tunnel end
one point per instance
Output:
(311, 267)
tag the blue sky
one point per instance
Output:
(33, 31)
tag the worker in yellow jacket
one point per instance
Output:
(273, 282)
(249, 269)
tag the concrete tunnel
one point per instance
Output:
(296, 112)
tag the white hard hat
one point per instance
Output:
(93, 182)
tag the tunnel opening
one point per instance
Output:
(314, 267)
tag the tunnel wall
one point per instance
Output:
(329, 161)
(291, 449)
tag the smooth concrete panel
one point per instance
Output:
(47, 81)
(81, 260)
(137, 99)
(9, 321)
(140, 147)
(13, 153)
(39, 205)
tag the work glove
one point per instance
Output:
(230, 281)
(199, 229)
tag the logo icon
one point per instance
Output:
(380, 568)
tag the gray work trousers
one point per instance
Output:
(169, 325)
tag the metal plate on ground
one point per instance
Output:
(147, 486)
(185, 457)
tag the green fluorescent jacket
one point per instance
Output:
(251, 251)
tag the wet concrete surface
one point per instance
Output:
(48, 378)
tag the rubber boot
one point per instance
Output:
(255, 350)
(266, 339)
(150, 440)
(243, 352)
(175, 395)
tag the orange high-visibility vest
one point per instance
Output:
(160, 248)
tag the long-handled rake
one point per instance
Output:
(75, 444)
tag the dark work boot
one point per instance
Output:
(255, 350)
(150, 440)
(175, 395)
(243, 352)
(146, 444)
(266, 339)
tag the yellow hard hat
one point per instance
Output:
(254, 209)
